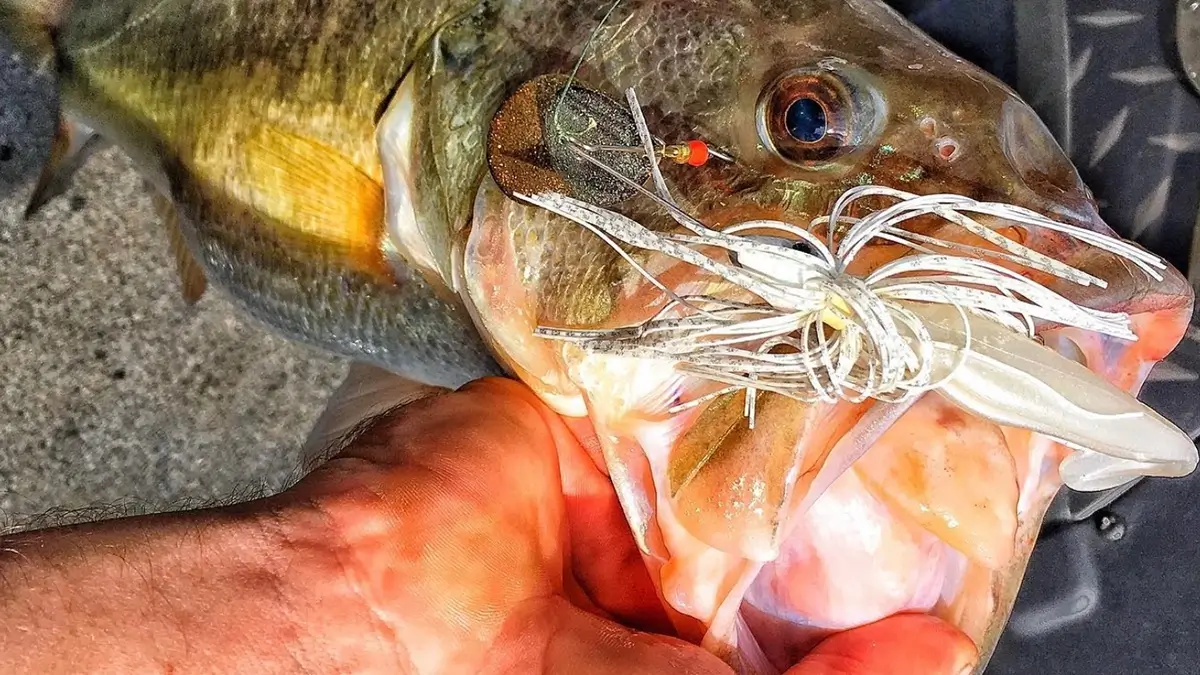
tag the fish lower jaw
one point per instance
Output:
(852, 558)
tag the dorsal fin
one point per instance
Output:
(73, 143)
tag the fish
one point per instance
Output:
(282, 206)
(603, 199)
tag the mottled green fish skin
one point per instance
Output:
(181, 85)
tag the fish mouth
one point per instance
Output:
(729, 478)
(803, 444)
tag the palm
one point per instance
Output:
(484, 539)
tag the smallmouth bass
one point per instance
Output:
(333, 167)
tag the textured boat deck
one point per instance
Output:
(114, 393)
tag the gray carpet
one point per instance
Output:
(114, 393)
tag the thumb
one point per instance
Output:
(905, 644)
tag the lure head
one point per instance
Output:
(540, 136)
(738, 493)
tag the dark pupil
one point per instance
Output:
(803, 247)
(806, 121)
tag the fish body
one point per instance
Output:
(256, 127)
(381, 179)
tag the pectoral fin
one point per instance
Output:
(1014, 381)
(73, 143)
(318, 196)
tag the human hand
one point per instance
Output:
(483, 538)
(468, 532)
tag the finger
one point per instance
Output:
(603, 556)
(905, 644)
(555, 637)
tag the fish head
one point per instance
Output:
(877, 102)
(818, 98)
(812, 99)
(800, 102)
(740, 495)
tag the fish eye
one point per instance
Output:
(806, 120)
(813, 116)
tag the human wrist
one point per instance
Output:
(331, 618)
(255, 587)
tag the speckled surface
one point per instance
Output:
(113, 392)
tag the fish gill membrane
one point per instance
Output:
(768, 427)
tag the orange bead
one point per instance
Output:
(697, 153)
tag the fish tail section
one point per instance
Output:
(30, 24)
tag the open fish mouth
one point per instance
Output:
(784, 411)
